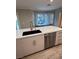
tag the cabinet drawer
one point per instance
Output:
(58, 41)
(59, 37)
(59, 32)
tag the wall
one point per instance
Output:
(56, 15)
(24, 17)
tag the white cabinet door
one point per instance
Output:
(19, 48)
(39, 45)
(58, 38)
(33, 44)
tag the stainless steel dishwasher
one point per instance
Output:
(50, 39)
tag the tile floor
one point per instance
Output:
(51, 53)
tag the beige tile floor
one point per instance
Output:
(52, 53)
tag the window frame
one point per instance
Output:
(35, 14)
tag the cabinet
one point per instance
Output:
(58, 38)
(29, 45)
(19, 48)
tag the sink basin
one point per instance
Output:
(31, 32)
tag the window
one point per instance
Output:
(43, 19)
(17, 24)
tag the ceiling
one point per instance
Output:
(38, 4)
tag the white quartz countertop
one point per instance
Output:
(44, 29)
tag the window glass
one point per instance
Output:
(42, 19)
(17, 23)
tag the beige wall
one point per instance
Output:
(24, 16)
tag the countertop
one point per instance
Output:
(45, 29)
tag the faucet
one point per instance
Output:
(32, 26)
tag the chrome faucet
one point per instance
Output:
(32, 25)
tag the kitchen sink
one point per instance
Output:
(31, 32)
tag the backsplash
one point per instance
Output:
(25, 16)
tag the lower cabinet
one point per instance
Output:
(29, 45)
(19, 48)
(58, 38)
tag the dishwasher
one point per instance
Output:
(50, 39)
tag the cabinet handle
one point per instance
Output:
(34, 42)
